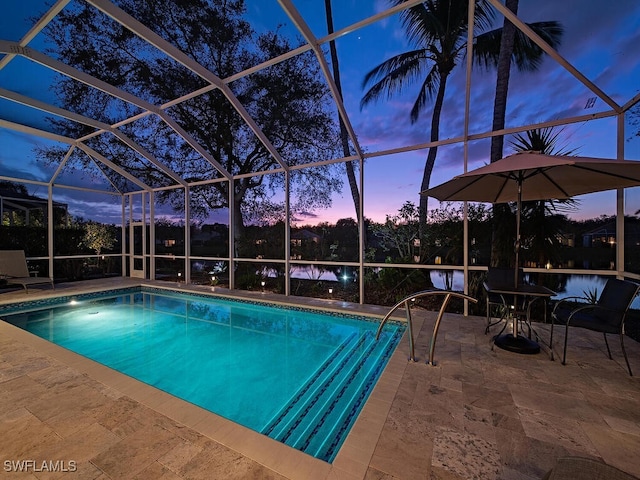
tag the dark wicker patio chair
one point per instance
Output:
(607, 315)
(498, 303)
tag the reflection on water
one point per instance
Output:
(565, 285)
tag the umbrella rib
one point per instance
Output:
(453, 194)
(543, 172)
(502, 187)
(610, 174)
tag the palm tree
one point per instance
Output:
(507, 45)
(542, 220)
(438, 29)
(344, 137)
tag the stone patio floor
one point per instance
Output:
(478, 414)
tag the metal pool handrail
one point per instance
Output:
(405, 301)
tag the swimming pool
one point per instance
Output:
(299, 376)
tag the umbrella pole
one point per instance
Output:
(517, 246)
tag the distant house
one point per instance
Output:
(605, 235)
(303, 236)
(208, 233)
(16, 206)
(602, 235)
(566, 239)
(303, 243)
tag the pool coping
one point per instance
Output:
(353, 458)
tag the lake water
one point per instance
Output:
(576, 285)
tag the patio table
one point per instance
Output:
(520, 298)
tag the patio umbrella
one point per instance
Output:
(529, 176)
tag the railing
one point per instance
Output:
(407, 305)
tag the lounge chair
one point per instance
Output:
(13, 268)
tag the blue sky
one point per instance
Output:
(599, 41)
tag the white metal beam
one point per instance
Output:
(555, 55)
(179, 56)
(36, 132)
(71, 72)
(101, 169)
(47, 108)
(105, 87)
(149, 157)
(188, 138)
(62, 164)
(117, 168)
(36, 29)
(631, 102)
(100, 126)
(306, 32)
(314, 44)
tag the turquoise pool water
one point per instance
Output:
(298, 376)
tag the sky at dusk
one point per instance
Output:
(599, 40)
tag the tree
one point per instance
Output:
(8, 188)
(633, 118)
(438, 29)
(399, 232)
(505, 57)
(446, 231)
(344, 137)
(33, 212)
(288, 101)
(99, 237)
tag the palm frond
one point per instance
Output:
(422, 23)
(544, 140)
(487, 49)
(547, 141)
(392, 75)
(484, 16)
(427, 91)
(443, 22)
(527, 55)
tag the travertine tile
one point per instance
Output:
(465, 455)
(623, 425)
(19, 391)
(402, 456)
(56, 374)
(156, 471)
(218, 462)
(136, 452)
(176, 458)
(616, 448)
(554, 404)
(76, 400)
(22, 434)
(82, 445)
(480, 413)
(563, 431)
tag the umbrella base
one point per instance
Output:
(517, 344)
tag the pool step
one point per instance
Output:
(276, 428)
(318, 417)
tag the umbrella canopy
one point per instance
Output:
(538, 177)
(529, 176)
